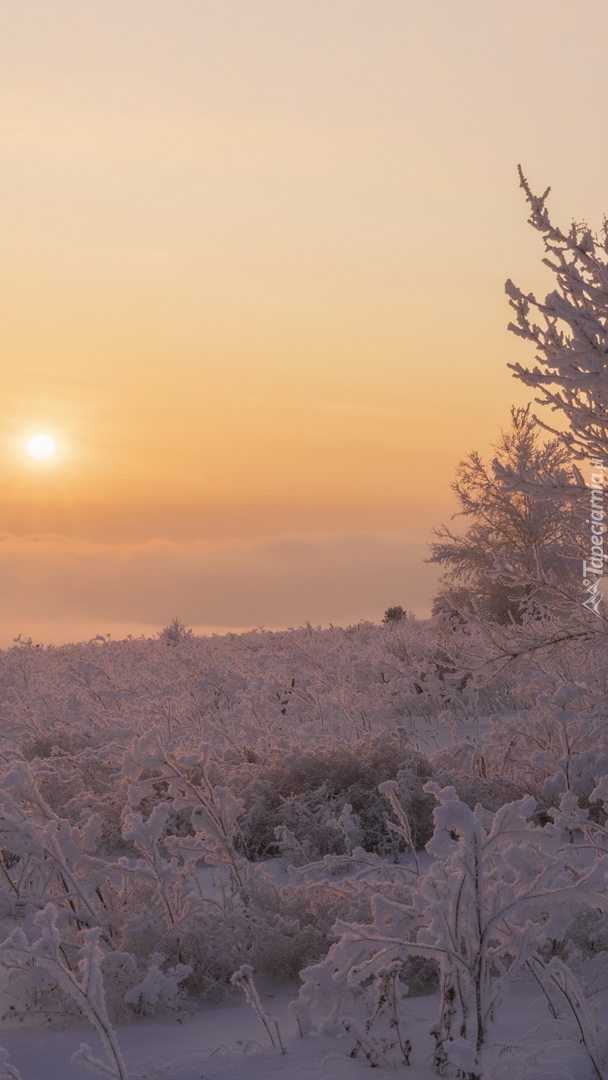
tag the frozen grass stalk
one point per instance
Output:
(244, 978)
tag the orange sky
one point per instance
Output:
(252, 282)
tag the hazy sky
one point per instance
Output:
(252, 283)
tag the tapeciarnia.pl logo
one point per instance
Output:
(594, 565)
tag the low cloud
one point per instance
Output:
(56, 588)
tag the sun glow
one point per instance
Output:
(41, 446)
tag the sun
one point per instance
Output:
(41, 446)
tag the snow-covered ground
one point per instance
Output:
(227, 1042)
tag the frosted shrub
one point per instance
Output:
(494, 894)
(575, 1020)
(56, 739)
(307, 795)
(387, 991)
(157, 986)
(492, 793)
(416, 803)
(188, 784)
(559, 746)
(249, 694)
(294, 923)
(85, 987)
(136, 904)
(165, 930)
(308, 831)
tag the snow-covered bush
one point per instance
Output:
(83, 982)
(497, 890)
(559, 746)
(490, 793)
(294, 923)
(310, 804)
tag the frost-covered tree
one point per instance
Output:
(572, 341)
(174, 633)
(518, 541)
(571, 377)
(394, 615)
